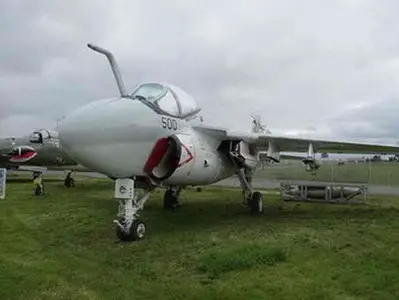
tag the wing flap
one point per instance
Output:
(289, 144)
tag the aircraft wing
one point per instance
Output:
(293, 144)
(284, 156)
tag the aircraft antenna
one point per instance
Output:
(258, 126)
(114, 67)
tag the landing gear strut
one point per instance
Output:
(310, 161)
(253, 199)
(171, 197)
(69, 181)
(37, 181)
(129, 227)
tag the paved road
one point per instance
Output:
(261, 183)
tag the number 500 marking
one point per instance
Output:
(169, 123)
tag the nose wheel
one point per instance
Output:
(38, 183)
(136, 231)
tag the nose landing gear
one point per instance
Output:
(129, 226)
(38, 183)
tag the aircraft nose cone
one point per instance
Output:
(110, 136)
(80, 124)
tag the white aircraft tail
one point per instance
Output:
(258, 126)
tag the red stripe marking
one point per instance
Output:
(25, 155)
(188, 159)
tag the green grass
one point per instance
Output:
(63, 246)
(375, 173)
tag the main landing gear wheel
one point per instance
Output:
(255, 203)
(136, 232)
(69, 181)
(171, 198)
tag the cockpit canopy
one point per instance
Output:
(166, 99)
(39, 136)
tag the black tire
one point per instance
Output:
(170, 201)
(136, 232)
(38, 190)
(69, 182)
(256, 203)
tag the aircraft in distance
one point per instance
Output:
(339, 157)
(38, 152)
(154, 136)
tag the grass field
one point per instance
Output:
(375, 173)
(63, 246)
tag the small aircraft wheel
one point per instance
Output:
(69, 182)
(169, 200)
(136, 232)
(38, 190)
(256, 202)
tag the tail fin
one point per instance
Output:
(258, 126)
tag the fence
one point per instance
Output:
(384, 173)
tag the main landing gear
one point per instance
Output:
(129, 226)
(253, 199)
(171, 197)
(69, 181)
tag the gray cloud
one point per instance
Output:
(297, 63)
(24, 124)
(375, 121)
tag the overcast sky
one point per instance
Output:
(321, 68)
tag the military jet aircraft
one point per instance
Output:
(38, 152)
(155, 136)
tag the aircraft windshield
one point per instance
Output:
(35, 137)
(150, 91)
(166, 99)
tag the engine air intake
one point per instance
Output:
(164, 158)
